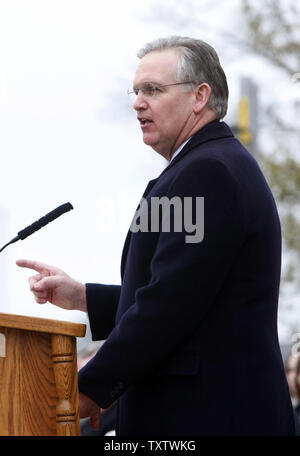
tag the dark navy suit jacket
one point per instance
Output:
(192, 345)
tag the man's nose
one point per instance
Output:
(140, 102)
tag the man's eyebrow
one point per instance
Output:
(153, 83)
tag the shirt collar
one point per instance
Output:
(179, 149)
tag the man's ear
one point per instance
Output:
(202, 96)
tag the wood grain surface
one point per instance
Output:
(38, 382)
(45, 325)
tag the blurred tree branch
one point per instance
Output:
(271, 31)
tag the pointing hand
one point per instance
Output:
(55, 286)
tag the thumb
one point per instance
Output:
(95, 421)
(47, 283)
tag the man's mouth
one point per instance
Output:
(144, 121)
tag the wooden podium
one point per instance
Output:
(38, 376)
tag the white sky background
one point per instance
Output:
(66, 134)
(59, 59)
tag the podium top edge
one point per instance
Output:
(45, 325)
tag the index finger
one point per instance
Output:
(35, 265)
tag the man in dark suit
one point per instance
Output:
(191, 334)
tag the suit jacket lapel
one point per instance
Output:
(128, 237)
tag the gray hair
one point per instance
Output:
(199, 63)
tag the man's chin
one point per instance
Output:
(149, 142)
(155, 145)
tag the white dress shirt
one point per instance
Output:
(179, 149)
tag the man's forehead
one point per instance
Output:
(157, 67)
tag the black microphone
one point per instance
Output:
(23, 234)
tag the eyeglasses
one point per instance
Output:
(150, 90)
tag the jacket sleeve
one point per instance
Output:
(102, 303)
(184, 282)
